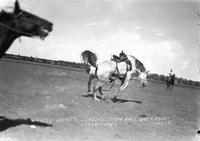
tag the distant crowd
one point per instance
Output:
(153, 76)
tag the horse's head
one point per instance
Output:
(27, 24)
(143, 77)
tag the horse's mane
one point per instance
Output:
(89, 57)
(139, 64)
(6, 16)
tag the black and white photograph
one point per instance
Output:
(99, 70)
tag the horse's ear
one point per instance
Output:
(17, 7)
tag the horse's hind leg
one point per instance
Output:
(98, 87)
(100, 91)
(91, 77)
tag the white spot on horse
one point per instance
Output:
(33, 126)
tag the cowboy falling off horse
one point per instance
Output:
(121, 68)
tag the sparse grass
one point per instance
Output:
(55, 96)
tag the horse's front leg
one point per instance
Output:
(91, 77)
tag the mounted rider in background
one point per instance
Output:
(172, 76)
(171, 73)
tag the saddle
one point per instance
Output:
(116, 58)
(120, 77)
(126, 60)
(5, 16)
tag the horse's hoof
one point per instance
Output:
(89, 93)
(96, 99)
(115, 97)
(102, 97)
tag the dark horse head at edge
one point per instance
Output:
(21, 23)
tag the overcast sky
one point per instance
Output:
(163, 34)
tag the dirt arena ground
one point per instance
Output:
(46, 103)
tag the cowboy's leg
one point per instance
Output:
(125, 84)
(122, 81)
(126, 81)
(91, 77)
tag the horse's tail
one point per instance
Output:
(89, 58)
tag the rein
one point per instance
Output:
(15, 30)
(110, 86)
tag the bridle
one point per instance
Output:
(17, 30)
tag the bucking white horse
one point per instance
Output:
(112, 69)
